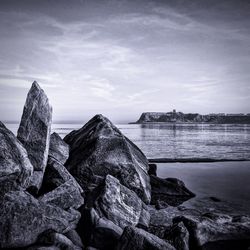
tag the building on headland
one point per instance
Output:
(239, 114)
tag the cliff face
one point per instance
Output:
(192, 117)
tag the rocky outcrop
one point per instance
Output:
(23, 218)
(179, 117)
(34, 131)
(66, 196)
(215, 231)
(58, 149)
(137, 239)
(169, 191)
(100, 146)
(15, 166)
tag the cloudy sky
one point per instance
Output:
(122, 57)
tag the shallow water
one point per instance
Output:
(228, 181)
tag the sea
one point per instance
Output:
(229, 181)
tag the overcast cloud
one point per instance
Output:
(121, 58)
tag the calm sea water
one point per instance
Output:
(181, 140)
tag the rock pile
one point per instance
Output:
(95, 190)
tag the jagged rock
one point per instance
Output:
(15, 166)
(55, 175)
(58, 149)
(137, 239)
(108, 210)
(170, 190)
(58, 240)
(65, 196)
(152, 169)
(178, 236)
(34, 131)
(99, 145)
(210, 231)
(23, 218)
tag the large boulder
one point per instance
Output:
(15, 166)
(215, 231)
(169, 191)
(34, 131)
(23, 218)
(99, 145)
(58, 149)
(108, 210)
(137, 239)
(66, 196)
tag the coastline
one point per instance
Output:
(192, 160)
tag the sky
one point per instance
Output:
(124, 57)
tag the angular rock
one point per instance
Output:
(108, 209)
(99, 145)
(58, 149)
(65, 196)
(55, 175)
(137, 239)
(170, 191)
(15, 166)
(34, 131)
(74, 237)
(23, 218)
(178, 236)
(120, 205)
(210, 231)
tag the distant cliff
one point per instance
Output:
(193, 118)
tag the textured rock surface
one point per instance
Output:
(55, 175)
(137, 239)
(34, 130)
(152, 169)
(23, 218)
(99, 145)
(178, 236)
(214, 229)
(15, 166)
(65, 196)
(120, 205)
(171, 191)
(58, 149)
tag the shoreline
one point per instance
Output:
(191, 160)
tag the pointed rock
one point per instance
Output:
(99, 145)
(34, 130)
(15, 166)
(23, 218)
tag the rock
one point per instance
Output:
(65, 196)
(23, 218)
(137, 239)
(58, 240)
(120, 204)
(108, 210)
(34, 131)
(178, 236)
(152, 169)
(97, 231)
(15, 166)
(40, 247)
(56, 175)
(99, 145)
(215, 199)
(58, 149)
(211, 231)
(74, 237)
(170, 190)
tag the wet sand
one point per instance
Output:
(227, 181)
